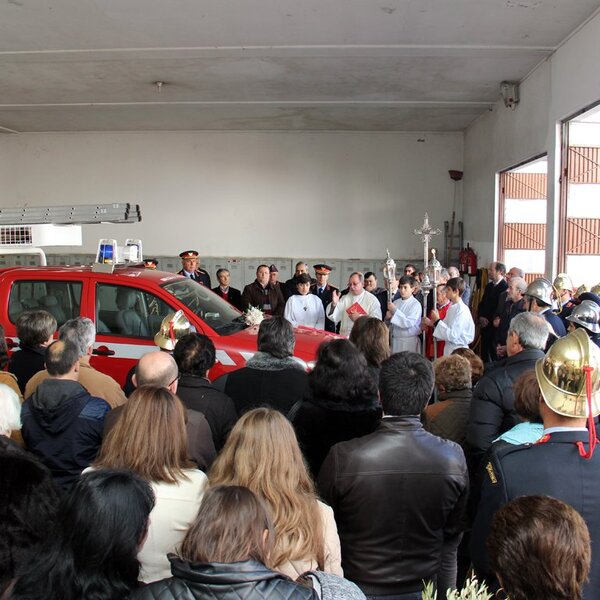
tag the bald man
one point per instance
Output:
(160, 369)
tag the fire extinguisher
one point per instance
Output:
(471, 261)
(467, 261)
(462, 261)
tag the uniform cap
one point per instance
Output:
(150, 263)
(173, 327)
(322, 269)
(189, 254)
(273, 269)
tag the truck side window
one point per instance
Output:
(60, 298)
(123, 310)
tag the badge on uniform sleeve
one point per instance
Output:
(491, 474)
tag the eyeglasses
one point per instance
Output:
(174, 380)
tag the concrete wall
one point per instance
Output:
(305, 195)
(561, 86)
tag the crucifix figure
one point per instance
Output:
(426, 232)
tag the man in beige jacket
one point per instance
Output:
(82, 332)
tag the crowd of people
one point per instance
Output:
(388, 466)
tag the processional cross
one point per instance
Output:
(426, 232)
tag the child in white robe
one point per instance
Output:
(405, 318)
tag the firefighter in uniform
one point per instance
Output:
(324, 290)
(538, 299)
(562, 463)
(191, 268)
(563, 290)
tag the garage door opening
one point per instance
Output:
(579, 239)
(522, 217)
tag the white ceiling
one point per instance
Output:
(387, 65)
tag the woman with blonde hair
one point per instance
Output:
(262, 454)
(150, 439)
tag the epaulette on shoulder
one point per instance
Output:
(497, 455)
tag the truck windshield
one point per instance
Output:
(214, 311)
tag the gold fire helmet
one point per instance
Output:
(582, 289)
(541, 290)
(563, 282)
(596, 289)
(173, 327)
(586, 315)
(561, 375)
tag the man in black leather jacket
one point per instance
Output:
(399, 494)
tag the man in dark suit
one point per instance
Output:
(562, 464)
(487, 309)
(191, 268)
(379, 292)
(231, 295)
(324, 290)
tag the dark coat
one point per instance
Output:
(448, 418)
(553, 468)
(507, 310)
(248, 580)
(565, 311)
(62, 426)
(487, 309)
(556, 324)
(25, 363)
(201, 448)
(265, 381)
(490, 298)
(233, 296)
(381, 295)
(320, 423)
(326, 297)
(255, 295)
(199, 394)
(28, 501)
(199, 275)
(492, 407)
(398, 495)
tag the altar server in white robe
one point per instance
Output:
(457, 328)
(404, 317)
(304, 308)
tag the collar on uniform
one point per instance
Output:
(562, 429)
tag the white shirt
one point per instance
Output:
(175, 509)
(456, 329)
(305, 310)
(367, 301)
(406, 325)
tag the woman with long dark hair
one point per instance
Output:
(226, 554)
(343, 403)
(92, 550)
